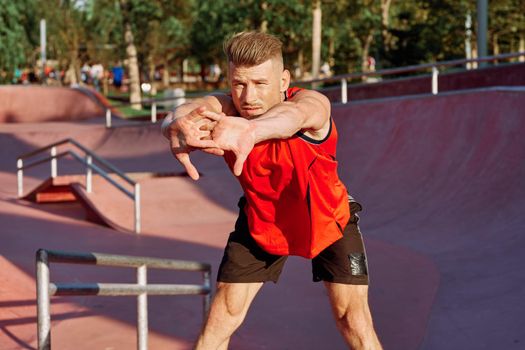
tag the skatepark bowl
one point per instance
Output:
(440, 178)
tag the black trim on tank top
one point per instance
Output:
(314, 141)
(307, 138)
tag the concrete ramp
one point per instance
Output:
(30, 104)
(445, 176)
(441, 182)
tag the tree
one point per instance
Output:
(66, 33)
(507, 26)
(355, 31)
(17, 39)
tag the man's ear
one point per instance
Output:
(285, 80)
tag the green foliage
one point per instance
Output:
(168, 31)
(17, 37)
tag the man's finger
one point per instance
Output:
(212, 115)
(206, 124)
(197, 112)
(202, 144)
(239, 162)
(214, 151)
(184, 159)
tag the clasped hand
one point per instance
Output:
(212, 133)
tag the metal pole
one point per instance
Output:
(207, 297)
(142, 310)
(468, 37)
(53, 162)
(42, 301)
(435, 73)
(137, 208)
(344, 91)
(89, 174)
(20, 176)
(43, 40)
(154, 112)
(482, 9)
(108, 118)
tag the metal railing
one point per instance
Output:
(154, 102)
(141, 289)
(88, 161)
(343, 79)
(434, 67)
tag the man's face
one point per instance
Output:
(256, 89)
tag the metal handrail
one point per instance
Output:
(141, 289)
(88, 162)
(344, 78)
(153, 102)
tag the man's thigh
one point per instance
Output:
(244, 261)
(345, 260)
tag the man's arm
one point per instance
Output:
(307, 111)
(187, 128)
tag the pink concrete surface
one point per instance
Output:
(32, 103)
(440, 179)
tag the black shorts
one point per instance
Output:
(342, 262)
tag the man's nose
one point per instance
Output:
(250, 94)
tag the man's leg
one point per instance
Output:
(352, 315)
(243, 270)
(228, 310)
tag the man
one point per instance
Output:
(280, 143)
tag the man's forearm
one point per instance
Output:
(282, 121)
(309, 111)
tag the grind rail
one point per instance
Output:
(88, 160)
(141, 289)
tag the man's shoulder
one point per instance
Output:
(292, 91)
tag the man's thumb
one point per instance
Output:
(239, 163)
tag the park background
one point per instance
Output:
(158, 44)
(438, 167)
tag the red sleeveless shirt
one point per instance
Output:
(296, 204)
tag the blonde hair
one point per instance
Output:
(252, 48)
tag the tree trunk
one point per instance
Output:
(133, 66)
(73, 70)
(522, 47)
(495, 46)
(366, 51)
(474, 54)
(152, 81)
(166, 75)
(133, 69)
(300, 64)
(331, 51)
(264, 22)
(316, 38)
(385, 23)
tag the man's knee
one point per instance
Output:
(350, 307)
(234, 298)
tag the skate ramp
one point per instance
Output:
(30, 104)
(440, 181)
(444, 176)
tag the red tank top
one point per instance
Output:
(295, 202)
